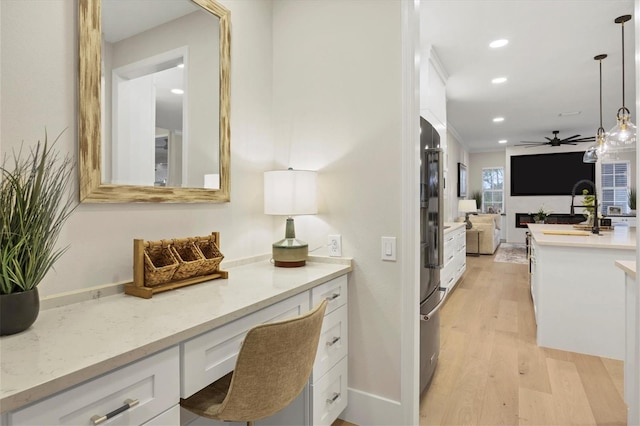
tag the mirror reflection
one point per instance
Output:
(160, 94)
(127, 151)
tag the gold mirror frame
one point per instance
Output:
(92, 190)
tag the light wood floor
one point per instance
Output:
(491, 372)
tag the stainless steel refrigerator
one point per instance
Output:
(432, 295)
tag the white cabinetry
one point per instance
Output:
(534, 277)
(632, 344)
(208, 357)
(623, 220)
(454, 259)
(153, 382)
(578, 305)
(181, 361)
(329, 376)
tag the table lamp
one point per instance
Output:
(289, 193)
(466, 207)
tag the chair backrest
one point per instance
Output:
(273, 366)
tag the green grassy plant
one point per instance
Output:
(34, 205)
(632, 198)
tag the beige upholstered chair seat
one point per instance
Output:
(208, 401)
(273, 366)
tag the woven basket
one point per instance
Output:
(159, 265)
(212, 256)
(190, 260)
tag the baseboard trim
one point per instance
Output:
(369, 409)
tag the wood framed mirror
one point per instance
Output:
(119, 164)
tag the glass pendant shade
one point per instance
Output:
(598, 151)
(623, 135)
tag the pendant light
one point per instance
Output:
(623, 135)
(600, 149)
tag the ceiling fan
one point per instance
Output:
(557, 141)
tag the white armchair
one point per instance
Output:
(490, 235)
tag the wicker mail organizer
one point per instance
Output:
(169, 264)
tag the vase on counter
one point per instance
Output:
(538, 220)
(590, 220)
(18, 311)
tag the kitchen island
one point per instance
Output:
(632, 358)
(577, 290)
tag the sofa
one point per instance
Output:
(489, 224)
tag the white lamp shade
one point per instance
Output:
(467, 206)
(290, 192)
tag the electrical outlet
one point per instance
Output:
(335, 245)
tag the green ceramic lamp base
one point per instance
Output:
(289, 252)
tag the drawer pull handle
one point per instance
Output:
(333, 398)
(334, 296)
(127, 404)
(333, 341)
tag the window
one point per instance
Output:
(615, 186)
(492, 189)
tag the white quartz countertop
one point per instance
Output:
(628, 266)
(452, 226)
(74, 343)
(621, 237)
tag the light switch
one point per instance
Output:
(388, 248)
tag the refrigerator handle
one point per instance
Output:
(428, 316)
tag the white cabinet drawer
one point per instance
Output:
(449, 249)
(206, 358)
(460, 241)
(152, 381)
(330, 395)
(335, 291)
(333, 343)
(448, 275)
(169, 417)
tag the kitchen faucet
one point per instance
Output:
(596, 222)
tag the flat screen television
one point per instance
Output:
(550, 174)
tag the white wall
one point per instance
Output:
(456, 153)
(337, 97)
(480, 160)
(39, 79)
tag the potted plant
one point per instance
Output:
(632, 200)
(477, 195)
(34, 205)
(589, 213)
(541, 215)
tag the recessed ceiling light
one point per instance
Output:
(177, 91)
(499, 80)
(498, 119)
(498, 43)
(569, 114)
(502, 141)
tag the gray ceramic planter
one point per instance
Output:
(18, 311)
